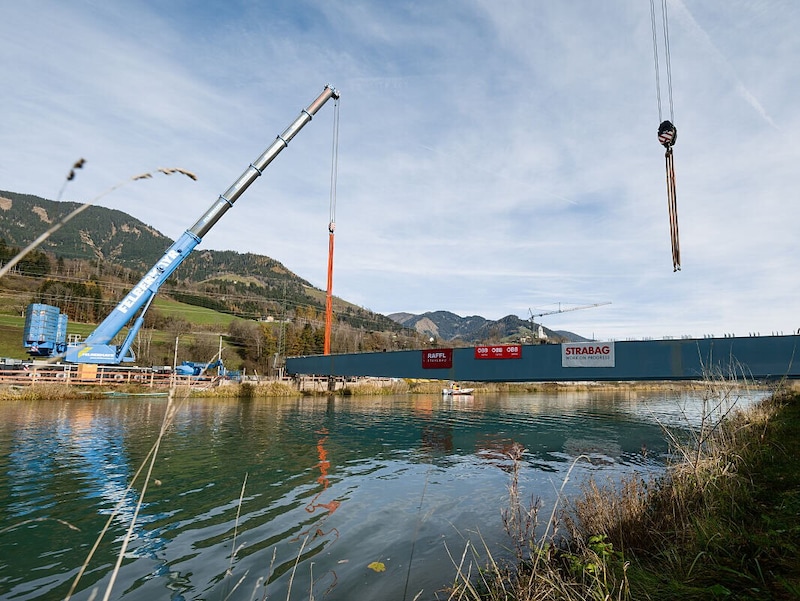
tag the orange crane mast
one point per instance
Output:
(331, 228)
(329, 295)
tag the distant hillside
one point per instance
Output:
(243, 284)
(447, 326)
(113, 236)
(571, 336)
(97, 233)
(120, 248)
(441, 324)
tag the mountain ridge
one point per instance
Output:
(450, 327)
(250, 285)
(123, 248)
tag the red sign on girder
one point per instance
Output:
(498, 351)
(438, 358)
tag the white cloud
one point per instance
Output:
(492, 157)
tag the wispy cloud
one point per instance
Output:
(492, 158)
(708, 46)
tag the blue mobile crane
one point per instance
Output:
(97, 347)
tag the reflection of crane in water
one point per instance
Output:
(90, 448)
(314, 504)
(100, 446)
(323, 465)
(538, 331)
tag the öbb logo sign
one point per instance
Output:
(498, 351)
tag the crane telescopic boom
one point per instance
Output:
(97, 347)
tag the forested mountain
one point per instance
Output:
(121, 246)
(96, 233)
(89, 264)
(117, 238)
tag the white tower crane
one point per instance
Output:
(538, 332)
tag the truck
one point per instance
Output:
(98, 347)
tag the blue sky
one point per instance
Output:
(494, 156)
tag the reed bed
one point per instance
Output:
(47, 391)
(687, 534)
(248, 390)
(379, 388)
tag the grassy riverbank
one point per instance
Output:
(266, 389)
(723, 523)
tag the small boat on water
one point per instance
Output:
(455, 389)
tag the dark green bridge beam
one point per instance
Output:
(756, 357)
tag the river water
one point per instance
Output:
(327, 487)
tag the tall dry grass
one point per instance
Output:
(541, 563)
(376, 388)
(623, 540)
(46, 391)
(647, 513)
(678, 526)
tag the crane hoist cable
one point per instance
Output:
(667, 132)
(332, 228)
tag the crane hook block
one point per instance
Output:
(667, 134)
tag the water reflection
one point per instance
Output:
(338, 482)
